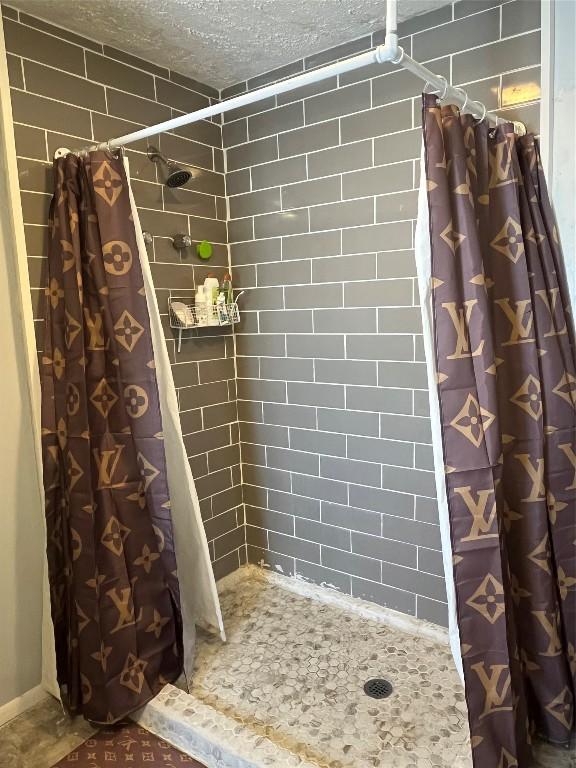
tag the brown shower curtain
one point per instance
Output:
(111, 562)
(506, 363)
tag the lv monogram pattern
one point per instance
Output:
(129, 746)
(506, 366)
(112, 569)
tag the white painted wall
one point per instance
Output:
(21, 513)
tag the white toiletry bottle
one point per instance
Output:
(222, 309)
(200, 306)
(211, 288)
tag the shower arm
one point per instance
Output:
(390, 52)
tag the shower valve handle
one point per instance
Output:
(181, 241)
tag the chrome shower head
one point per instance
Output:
(177, 176)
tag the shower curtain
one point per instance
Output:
(120, 625)
(504, 353)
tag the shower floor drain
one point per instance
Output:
(378, 688)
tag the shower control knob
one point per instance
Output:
(181, 241)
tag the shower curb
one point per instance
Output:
(218, 740)
(209, 736)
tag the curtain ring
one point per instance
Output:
(481, 119)
(445, 91)
(465, 96)
(437, 93)
(108, 149)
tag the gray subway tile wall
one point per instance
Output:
(333, 401)
(308, 430)
(68, 91)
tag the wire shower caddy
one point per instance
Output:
(185, 316)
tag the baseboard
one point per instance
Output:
(20, 704)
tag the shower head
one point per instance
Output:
(177, 176)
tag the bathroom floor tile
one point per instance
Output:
(41, 736)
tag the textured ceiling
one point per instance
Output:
(221, 42)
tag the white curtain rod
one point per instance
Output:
(389, 52)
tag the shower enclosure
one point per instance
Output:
(307, 430)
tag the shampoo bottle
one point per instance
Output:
(222, 308)
(211, 286)
(227, 288)
(200, 306)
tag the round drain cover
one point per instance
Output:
(378, 688)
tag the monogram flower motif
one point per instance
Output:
(566, 388)
(147, 558)
(488, 599)
(561, 707)
(135, 400)
(72, 399)
(472, 420)
(62, 433)
(114, 536)
(71, 329)
(102, 655)
(103, 397)
(148, 472)
(517, 591)
(509, 240)
(132, 676)
(117, 256)
(158, 624)
(58, 363)
(54, 293)
(139, 496)
(128, 331)
(528, 397)
(75, 544)
(73, 470)
(452, 238)
(107, 183)
(86, 688)
(565, 582)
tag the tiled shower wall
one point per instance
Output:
(336, 457)
(70, 91)
(333, 407)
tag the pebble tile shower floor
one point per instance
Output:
(287, 687)
(293, 671)
(298, 669)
